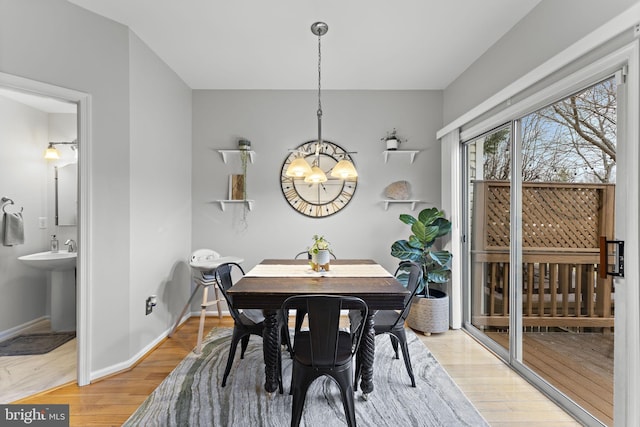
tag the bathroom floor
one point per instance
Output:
(22, 376)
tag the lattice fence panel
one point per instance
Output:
(554, 216)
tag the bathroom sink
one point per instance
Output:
(52, 261)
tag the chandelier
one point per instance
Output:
(312, 173)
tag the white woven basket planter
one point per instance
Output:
(430, 315)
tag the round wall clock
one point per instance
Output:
(321, 199)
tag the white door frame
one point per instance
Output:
(627, 320)
(627, 289)
(83, 296)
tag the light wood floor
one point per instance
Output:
(578, 364)
(501, 396)
(22, 376)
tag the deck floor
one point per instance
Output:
(578, 364)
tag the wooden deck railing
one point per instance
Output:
(561, 226)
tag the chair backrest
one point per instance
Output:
(224, 280)
(308, 255)
(323, 313)
(415, 277)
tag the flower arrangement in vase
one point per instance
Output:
(320, 252)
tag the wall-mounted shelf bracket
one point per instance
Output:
(413, 203)
(224, 202)
(226, 153)
(411, 153)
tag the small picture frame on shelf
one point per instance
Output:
(236, 187)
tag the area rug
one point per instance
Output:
(192, 396)
(30, 344)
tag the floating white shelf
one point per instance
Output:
(413, 203)
(411, 153)
(225, 153)
(224, 202)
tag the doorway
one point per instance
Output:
(82, 103)
(540, 191)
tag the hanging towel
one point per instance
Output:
(13, 229)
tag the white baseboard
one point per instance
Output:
(123, 366)
(23, 328)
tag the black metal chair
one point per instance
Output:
(308, 255)
(243, 326)
(392, 322)
(300, 314)
(324, 349)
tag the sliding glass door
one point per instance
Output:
(540, 192)
(489, 212)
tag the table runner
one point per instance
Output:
(304, 270)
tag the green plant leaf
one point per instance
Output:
(418, 230)
(407, 219)
(427, 216)
(439, 276)
(442, 258)
(414, 242)
(426, 234)
(444, 226)
(401, 249)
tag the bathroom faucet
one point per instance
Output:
(72, 245)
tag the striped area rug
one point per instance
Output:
(191, 395)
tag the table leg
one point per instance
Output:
(366, 353)
(271, 349)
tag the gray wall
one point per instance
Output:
(23, 178)
(548, 29)
(160, 236)
(276, 121)
(58, 43)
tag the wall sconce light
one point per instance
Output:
(299, 167)
(52, 153)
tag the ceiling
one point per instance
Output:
(371, 44)
(42, 103)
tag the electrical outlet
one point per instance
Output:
(636, 30)
(149, 304)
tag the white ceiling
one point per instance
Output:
(371, 44)
(42, 103)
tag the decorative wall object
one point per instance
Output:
(318, 199)
(399, 190)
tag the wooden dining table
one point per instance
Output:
(272, 281)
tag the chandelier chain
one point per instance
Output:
(319, 95)
(319, 75)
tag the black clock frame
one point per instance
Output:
(317, 208)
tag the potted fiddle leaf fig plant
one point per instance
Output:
(429, 311)
(320, 252)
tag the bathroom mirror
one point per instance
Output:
(66, 194)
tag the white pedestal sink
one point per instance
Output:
(62, 272)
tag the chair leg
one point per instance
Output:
(203, 313)
(394, 344)
(245, 343)
(218, 304)
(299, 389)
(347, 402)
(184, 310)
(402, 337)
(232, 354)
(280, 387)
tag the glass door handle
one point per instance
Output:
(618, 255)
